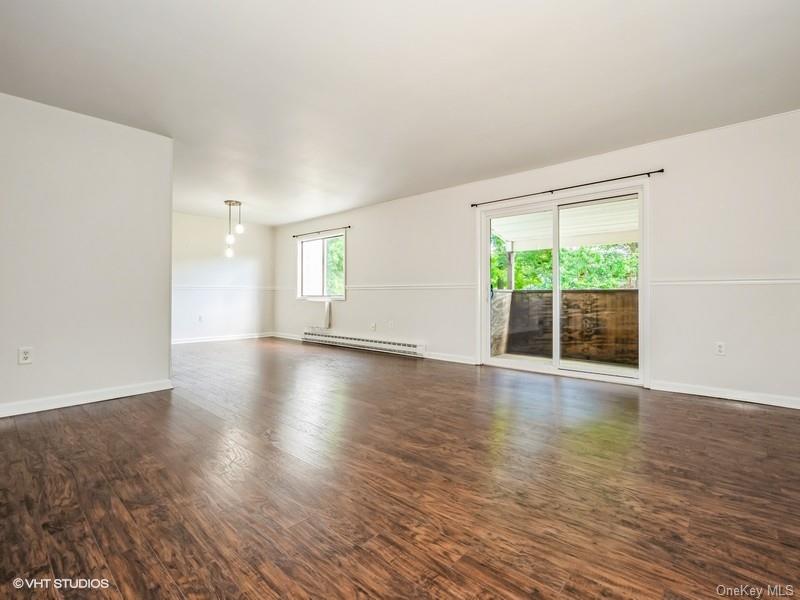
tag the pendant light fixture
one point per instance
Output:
(239, 227)
(230, 239)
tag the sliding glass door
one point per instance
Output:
(598, 267)
(521, 285)
(562, 280)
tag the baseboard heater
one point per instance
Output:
(361, 343)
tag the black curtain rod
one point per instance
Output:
(569, 187)
(323, 231)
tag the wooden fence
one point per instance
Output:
(596, 325)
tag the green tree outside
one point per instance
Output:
(498, 264)
(605, 266)
(334, 261)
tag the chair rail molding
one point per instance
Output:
(733, 281)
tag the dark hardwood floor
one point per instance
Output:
(276, 469)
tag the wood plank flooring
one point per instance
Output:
(282, 470)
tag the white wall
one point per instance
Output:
(216, 297)
(725, 250)
(85, 208)
(409, 261)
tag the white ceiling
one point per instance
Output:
(300, 108)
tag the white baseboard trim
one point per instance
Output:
(286, 336)
(453, 358)
(727, 394)
(50, 402)
(223, 338)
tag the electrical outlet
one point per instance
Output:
(25, 355)
(373, 326)
(199, 318)
(390, 324)
(719, 348)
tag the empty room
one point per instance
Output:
(399, 299)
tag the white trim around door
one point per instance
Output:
(552, 203)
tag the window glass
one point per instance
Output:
(322, 264)
(312, 267)
(334, 266)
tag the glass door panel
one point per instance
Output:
(598, 266)
(521, 280)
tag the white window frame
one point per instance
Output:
(310, 238)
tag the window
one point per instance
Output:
(321, 267)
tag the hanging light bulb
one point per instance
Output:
(239, 227)
(230, 239)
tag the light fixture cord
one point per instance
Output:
(229, 220)
(240, 213)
